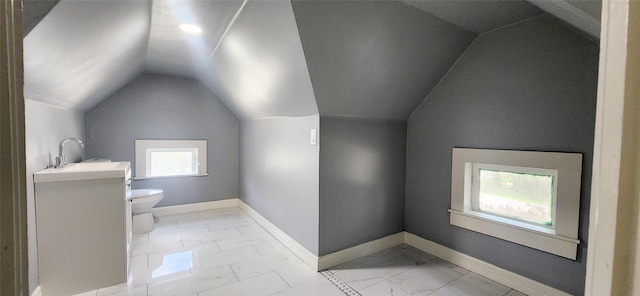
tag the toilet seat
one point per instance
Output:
(138, 193)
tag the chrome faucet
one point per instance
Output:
(61, 161)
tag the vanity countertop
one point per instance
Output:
(83, 171)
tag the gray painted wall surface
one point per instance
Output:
(362, 180)
(531, 86)
(375, 59)
(45, 127)
(165, 108)
(279, 174)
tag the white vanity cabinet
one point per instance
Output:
(83, 225)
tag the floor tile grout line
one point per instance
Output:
(449, 283)
(257, 251)
(285, 281)
(234, 272)
(445, 287)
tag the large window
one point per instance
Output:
(530, 198)
(170, 158)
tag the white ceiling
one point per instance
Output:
(33, 12)
(84, 51)
(171, 51)
(259, 68)
(249, 54)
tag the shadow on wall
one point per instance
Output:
(362, 177)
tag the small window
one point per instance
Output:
(170, 158)
(519, 193)
(526, 197)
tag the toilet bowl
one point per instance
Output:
(142, 201)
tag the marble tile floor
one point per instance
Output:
(225, 252)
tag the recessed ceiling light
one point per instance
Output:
(190, 28)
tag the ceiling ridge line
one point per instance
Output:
(233, 20)
(436, 16)
(443, 76)
(541, 14)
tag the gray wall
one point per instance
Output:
(375, 59)
(45, 127)
(362, 179)
(279, 174)
(531, 86)
(168, 107)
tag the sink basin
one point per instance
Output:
(83, 171)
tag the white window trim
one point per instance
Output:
(141, 147)
(562, 239)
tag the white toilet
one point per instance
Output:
(142, 201)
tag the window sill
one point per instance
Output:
(170, 177)
(536, 237)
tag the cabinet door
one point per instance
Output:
(81, 245)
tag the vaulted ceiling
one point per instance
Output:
(83, 51)
(378, 60)
(374, 59)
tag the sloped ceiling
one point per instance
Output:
(481, 16)
(259, 69)
(171, 51)
(478, 16)
(581, 14)
(249, 53)
(592, 8)
(83, 51)
(375, 59)
(33, 12)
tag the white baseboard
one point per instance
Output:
(500, 275)
(330, 260)
(37, 291)
(194, 207)
(361, 250)
(307, 256)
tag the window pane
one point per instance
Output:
(527, 197)
(172, 162)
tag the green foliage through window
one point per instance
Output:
(523, 196)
